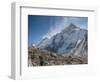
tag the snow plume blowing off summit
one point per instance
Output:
(62, 23)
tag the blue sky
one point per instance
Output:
(40, 27)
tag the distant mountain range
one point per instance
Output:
(70, 41)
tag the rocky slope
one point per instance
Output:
(41, 57)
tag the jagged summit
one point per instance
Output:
(70, 27)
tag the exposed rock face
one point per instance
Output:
(70, 41)
(40, 57)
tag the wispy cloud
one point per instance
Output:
(62, 22)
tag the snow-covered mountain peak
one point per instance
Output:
(70, 40)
